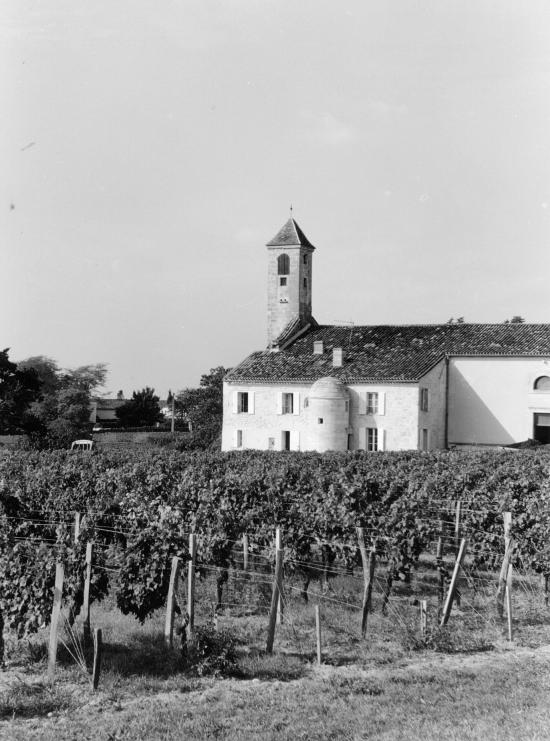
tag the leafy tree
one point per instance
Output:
(516, 319)
(62, 411)
(203, 407)
(142, 410)
(18, 389)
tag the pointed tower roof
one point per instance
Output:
(290, 234)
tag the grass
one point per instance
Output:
(458, 682)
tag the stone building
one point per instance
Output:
(373, 388)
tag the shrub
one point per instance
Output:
(212, 653)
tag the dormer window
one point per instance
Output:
(542, 383)
(283, 264)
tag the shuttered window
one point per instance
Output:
(283, 264)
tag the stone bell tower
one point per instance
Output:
(289, 271)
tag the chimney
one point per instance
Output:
(318, 347)
(337, 357)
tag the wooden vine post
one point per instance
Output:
(191, 582)
(77, 524)
(458, 512)
(389, 581)
(98, 650)
(452, 586)
(280, 605)
(275, 595)
(441, 568)
(369, 566)
(545, 582)
(318, 634)
(86, 599)
(54, 623)
(423, 607)
(509, 603)
(503, 577)
(245, 553)
(171, 602)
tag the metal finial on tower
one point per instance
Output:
(291, 211)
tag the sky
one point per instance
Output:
(150, 150)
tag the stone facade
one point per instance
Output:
(397, 420)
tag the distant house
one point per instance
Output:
(104, 410)
(372, 388)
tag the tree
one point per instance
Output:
(516, 319)
(203, 406)
(142, 410)
(62, 411)
(18, 389)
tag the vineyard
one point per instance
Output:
(373, 540)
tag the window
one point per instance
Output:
(425, 439)
(305, 282)
(347, 406)
(242, 402)
(288, 404)
(282, 281)
(305, 259)
(372, 402)
(320, 420)
(542, 384)
(306, 402)
(372, 439)
(239, 438)
(283, 265)
(424, 402)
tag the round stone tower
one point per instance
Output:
(328, 415)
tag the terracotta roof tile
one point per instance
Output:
(390, 353)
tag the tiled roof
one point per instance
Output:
(390, 353)
(103, 404)
(290, 234)
(295, 326)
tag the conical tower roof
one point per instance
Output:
(290, 234)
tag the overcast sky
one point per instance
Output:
(150, 149)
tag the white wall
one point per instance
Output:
(399, 421)
(265, 421)
(491, 401)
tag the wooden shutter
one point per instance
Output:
(279, 402)
(251, 402)
(296, 402)
(381, 438)
(381, 402)
(362, 402)
(294, 440)
(235, 402)
(362, 436)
